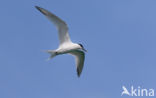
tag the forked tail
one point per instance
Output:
(52, 53)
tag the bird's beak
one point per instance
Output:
(84, 49)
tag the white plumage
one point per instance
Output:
(66, 45)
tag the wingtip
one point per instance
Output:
(37, 7)
(41, 10)
(78, 73)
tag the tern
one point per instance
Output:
(66, 46)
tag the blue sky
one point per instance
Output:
(120, 37)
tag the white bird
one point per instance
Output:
(66, 45)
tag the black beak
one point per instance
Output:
(84, 49)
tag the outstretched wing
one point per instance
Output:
(60, 24)
(79, 57)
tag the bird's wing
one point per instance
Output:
(60, 24)
(79, 57)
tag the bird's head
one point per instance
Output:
(81, 46)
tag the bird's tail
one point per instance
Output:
(52, 53)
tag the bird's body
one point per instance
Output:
(68, 48)
(65, 48)
(66, 45)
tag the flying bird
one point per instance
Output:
(66, 46)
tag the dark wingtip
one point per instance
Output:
(37, 7)
(40, 9)
(78, 72)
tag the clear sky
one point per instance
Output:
(120, 36)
